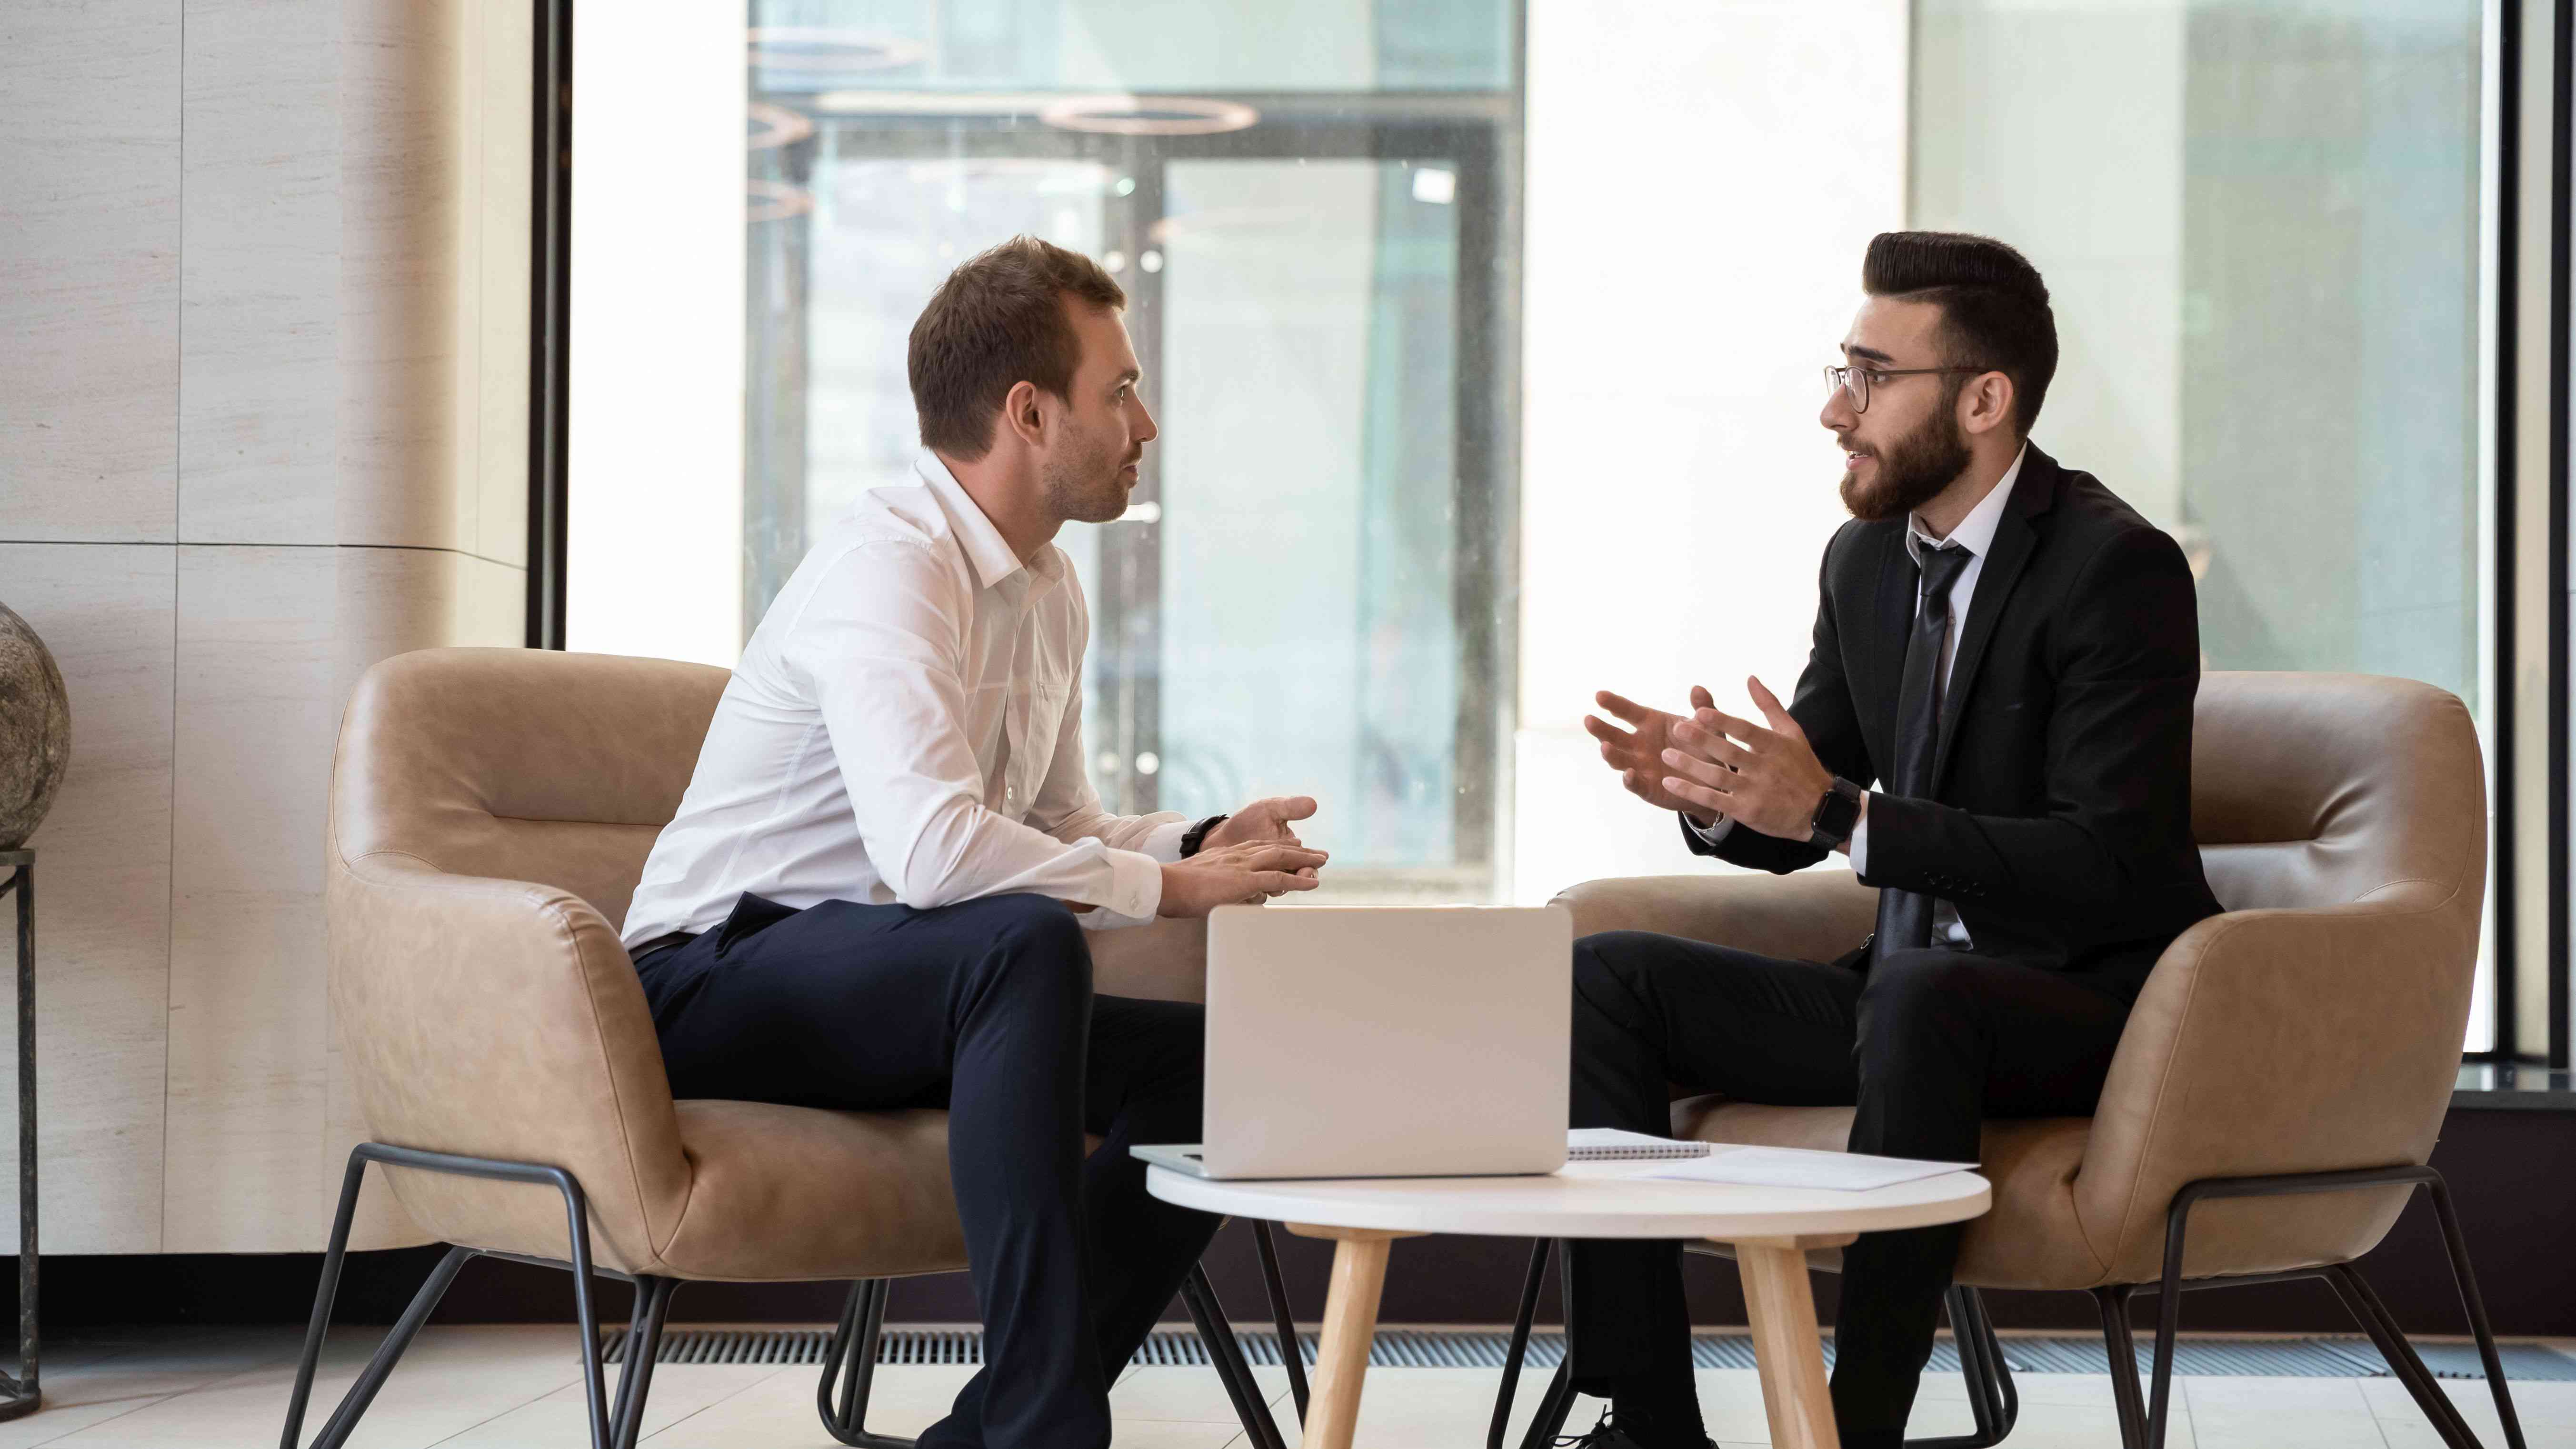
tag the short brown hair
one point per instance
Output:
(998, 321)
(1994, 307)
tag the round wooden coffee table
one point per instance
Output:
(1770, 1229)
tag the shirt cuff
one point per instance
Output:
(1135, 892)
(1710, 834)
(1860, 842)
(1163, 843)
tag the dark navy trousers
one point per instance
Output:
(984, 1008)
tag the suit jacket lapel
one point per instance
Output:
(1897, 585)
(2032, 494)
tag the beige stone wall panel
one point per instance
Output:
(102, 898)
(259, 363)
(89, 271)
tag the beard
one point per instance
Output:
(1913, 470)
(1085, 487)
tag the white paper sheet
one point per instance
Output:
(1799, 1167)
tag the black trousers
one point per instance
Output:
(1926, 1043)
(984, 1008)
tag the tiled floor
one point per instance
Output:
(507, 1387)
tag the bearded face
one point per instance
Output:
(1085, 477)
(1911, 470)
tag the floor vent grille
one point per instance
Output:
(2329, 1358)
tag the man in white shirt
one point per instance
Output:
(2010, 653)
(876, 890)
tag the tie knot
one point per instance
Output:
(1941, 569)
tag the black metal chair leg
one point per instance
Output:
(1519, 1351)
(1292, 1352)
(1995, 1360)
(594, 1377)
(1984, 1403)
(2122, 1351)
(2168, 1318)
(2475, 1306)
(643, 1348)
(344, 1419)
(850, 1365)
(329, 1289)
(2403, 1362)
(1226, 1355)
(1548, 1419)
(1981, 1364)
(635, 1313)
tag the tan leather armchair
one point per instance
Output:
(490, 813)
(2279, 1087)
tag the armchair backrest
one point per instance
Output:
(2317, 1024)
(522, 764)
(491, 810)
(2323, 789)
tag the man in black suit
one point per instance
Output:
(2010, 653)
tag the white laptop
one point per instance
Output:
(1383, 1042)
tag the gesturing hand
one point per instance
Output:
(1249, 873)
(1767, 779)
(1638, 755)
(1261, 820)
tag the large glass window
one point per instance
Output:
(1375, 558)
(1306, 209)
(2261, 223)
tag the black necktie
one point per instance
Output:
(1905, 917)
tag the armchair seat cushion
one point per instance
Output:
(793, 1193)
(2035, 1235)
(2031, 1238)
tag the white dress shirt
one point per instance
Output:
(1976, 534)
(905, 727)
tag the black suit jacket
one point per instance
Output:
(2059, 822)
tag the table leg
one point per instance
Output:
(1350, 1327)
(1786, 1346)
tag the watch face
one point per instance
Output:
(1837, 813)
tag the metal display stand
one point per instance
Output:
(18, 1395)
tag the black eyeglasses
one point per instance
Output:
(1856, 381)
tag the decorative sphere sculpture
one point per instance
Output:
(35, 730)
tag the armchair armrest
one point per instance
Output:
(494, 1018)
(1163, 960)
(2273, 1042)
(1812, 915)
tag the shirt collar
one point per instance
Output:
(987, 552)
(1976, 532)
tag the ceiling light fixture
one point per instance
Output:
(775, 126)
(823, 51)
(774, 201)
(1123, 115)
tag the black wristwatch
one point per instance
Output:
(1837, 815)
(1196, 835)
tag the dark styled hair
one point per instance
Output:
(998, 321)
(1994, 307)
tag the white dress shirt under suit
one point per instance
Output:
(905, 727)
(1976, 534)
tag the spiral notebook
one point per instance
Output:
(1611, 1144)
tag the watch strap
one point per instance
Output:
(1197, 835)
